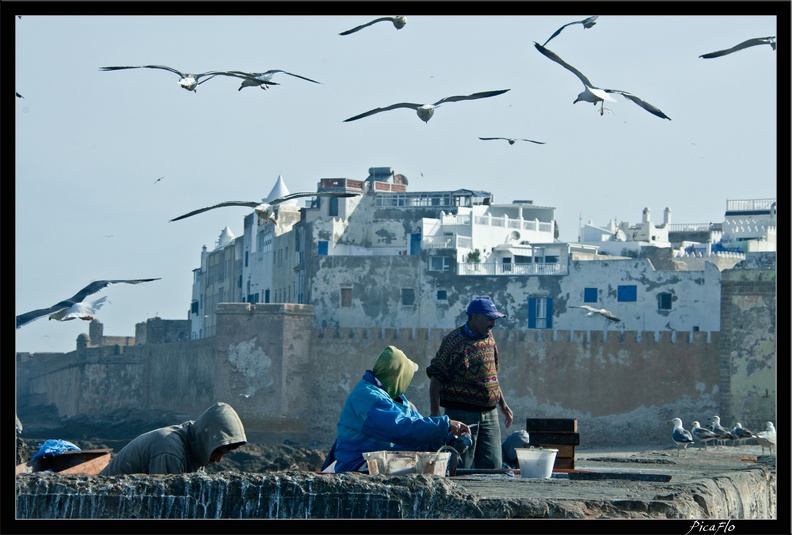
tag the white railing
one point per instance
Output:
(492, 268)
(749, 205)
(682, 227)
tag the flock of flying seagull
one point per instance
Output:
(78, 306)
(719, 434)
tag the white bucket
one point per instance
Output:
(399, 463)
(536, 462)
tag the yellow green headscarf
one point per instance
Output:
(394, 370)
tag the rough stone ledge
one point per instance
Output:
(746, 494)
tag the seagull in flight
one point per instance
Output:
(594, 94)
(188, 81)
(681, 436)
(425, 111)
(265, 209)
(264, 79)
(745, 44)
(18, 95)
(76, 306)
(398, 22)
(512, 140)
(587, 23)
(160, 178)
(598, 311)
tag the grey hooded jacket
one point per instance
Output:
(181, 448)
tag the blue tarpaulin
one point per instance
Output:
(54, 447)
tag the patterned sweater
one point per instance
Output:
(467, 367)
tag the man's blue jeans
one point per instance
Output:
(485, 453)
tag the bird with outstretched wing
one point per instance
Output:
(76, 307)
(265, 209)
(398, 21)
(426, 111)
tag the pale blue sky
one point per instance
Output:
(91, 144)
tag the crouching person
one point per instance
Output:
(377, 416)
(181, 448)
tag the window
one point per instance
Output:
(540, 313)
(589, 295)
(627, 293)
(194, 307)
(442, 295)
(407, 296)
(439, 263)
(346, 296)
(332, 210)
(507, 264)
(266, 296)
(664, 301)
(322, 251)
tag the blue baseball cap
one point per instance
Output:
(484, 305)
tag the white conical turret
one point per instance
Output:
(280, 190)
(226, 237)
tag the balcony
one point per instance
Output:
(493, 268)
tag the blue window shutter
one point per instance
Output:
(532, 312)
(589, 295)
(549, 313)
(322, 248)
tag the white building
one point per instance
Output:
(389, 258)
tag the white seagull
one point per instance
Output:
(425, 111)
(75, 306)
(767, 438)
(188, 81)
(587, 23)
(680, 435)
(597, 311)
(264, 79)
(265, 209)
(745, 44)
(594, 94)
(701, 435)
(398, 22)
(512, 140)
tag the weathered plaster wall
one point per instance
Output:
(377, 283)
(748, 357)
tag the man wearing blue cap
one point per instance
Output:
(464, 381)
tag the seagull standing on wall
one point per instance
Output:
(680, 435)
(767, 438)
(592, 312)
(76, 306)
(701, 435)
(594, 94)
(426, 111)
(265, 209)
(398, 21)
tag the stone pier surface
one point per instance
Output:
(717, 483)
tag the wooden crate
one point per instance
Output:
(556, 433)
(70, 462)
(561, 425)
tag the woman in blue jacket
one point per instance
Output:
(377, 416)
